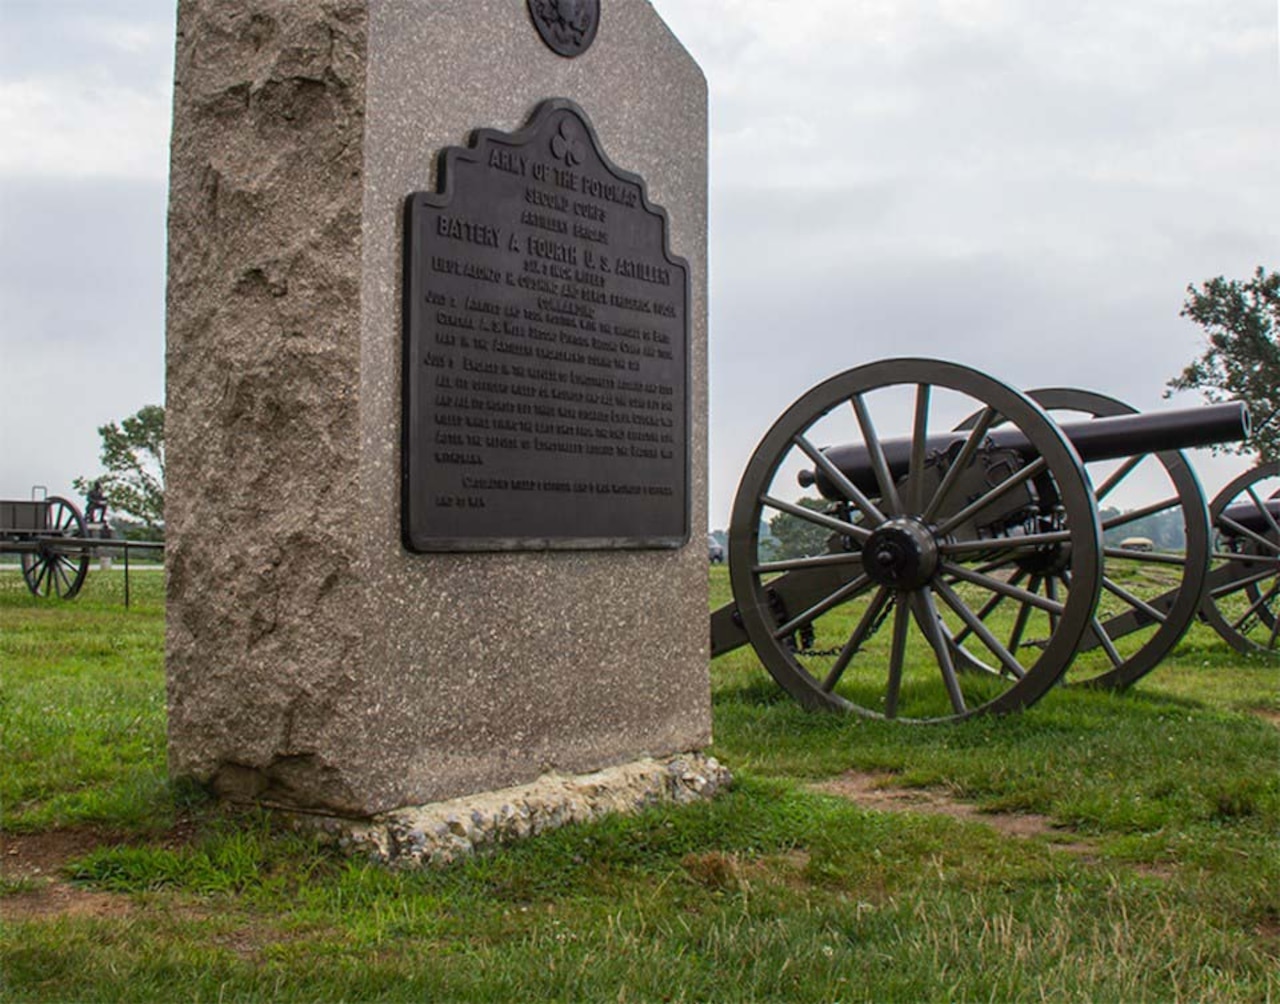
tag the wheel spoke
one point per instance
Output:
(816, 561)
(868, 622)
(1051, 592)
(897, 654)
(1144, 557)
(1133, 515)
(61, 572)
(996, 586)
(1005, 545)
(998, 563)
(1118, 475)
(999, 491)
(821, 519)
(979, 433)
(919, 439)
(845, 592)
(1112, 587)
(990, 605)
(1275, 630)
(1266, 513)
(931, 624)
(1024, 615)
(42, 587)
(964, 661)
(1242, 583)
(974, 623)
(888, 490)
(850, 491)
(1245, 559)
(1244, 531)
(1262, 599)
(1104, 640)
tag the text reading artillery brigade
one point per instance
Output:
(546, 350)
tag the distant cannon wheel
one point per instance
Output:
(1149, 597)
(885, 577)
(1242, 595)
(53, 570)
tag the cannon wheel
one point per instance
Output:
(1163, 611)
(927, 582)
(51, 570)
(1242, 600)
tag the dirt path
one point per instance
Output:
(877, 791)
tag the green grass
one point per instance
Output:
(1169, 798)
(82, 704)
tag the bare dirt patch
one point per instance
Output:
(31, 855)
(876, 792)
(34, 863)
(1267, 715)
(56, 898)
(1269, 929)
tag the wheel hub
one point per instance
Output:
(901, 554)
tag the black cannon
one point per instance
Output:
(964, 568)
(1104, 438)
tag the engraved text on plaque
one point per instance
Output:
(546, 350)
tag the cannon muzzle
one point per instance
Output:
(1096, 439)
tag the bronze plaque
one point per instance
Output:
(546, 350)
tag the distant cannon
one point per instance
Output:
(48, 535)
(1242, 589)
(55, 541)
(962, 569)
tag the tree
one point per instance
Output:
(1241, 320)
(133, 455)
(793, 537)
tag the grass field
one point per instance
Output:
(1096, 847)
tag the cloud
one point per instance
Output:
(1028, 190)
(82, 337)
(85, 90)
(64, 128)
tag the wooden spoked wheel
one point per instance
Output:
(1151, 588)
(879, 598)
(1242, 595)
(54, 570)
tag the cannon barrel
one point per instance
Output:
(1249, 516)
(1096, 439)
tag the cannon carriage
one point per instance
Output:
(1242, 589)
(964, 568)
(48, 535)
(55, 541)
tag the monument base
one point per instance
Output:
(443, 832)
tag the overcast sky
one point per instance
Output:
(1027, 187)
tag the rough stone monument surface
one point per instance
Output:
(315, 662)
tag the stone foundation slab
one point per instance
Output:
(444, 832)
